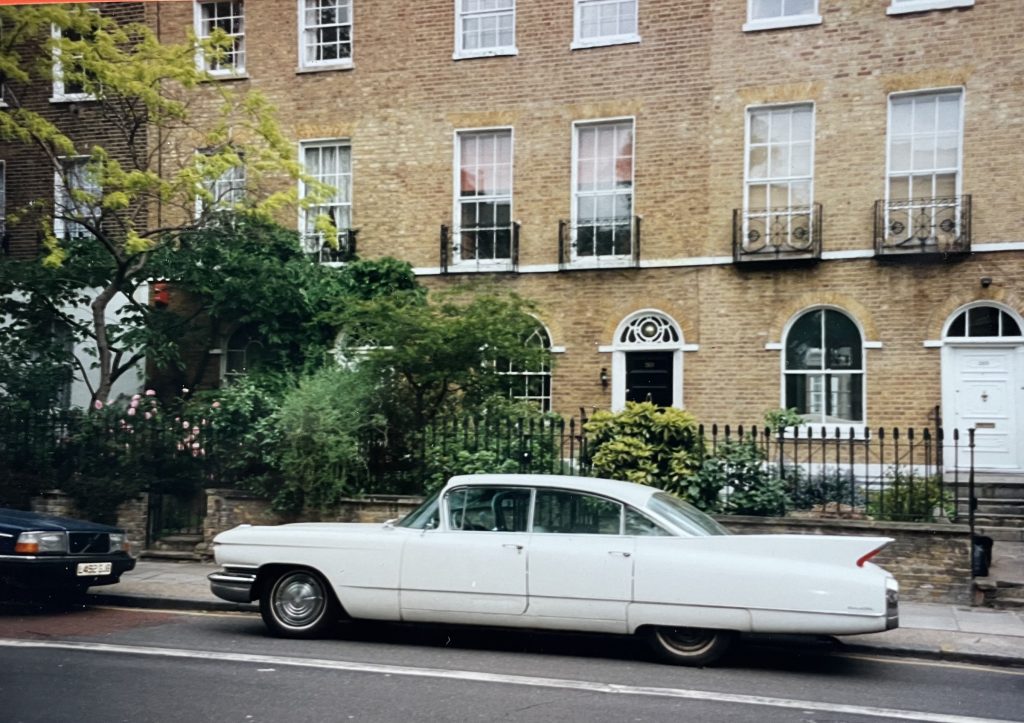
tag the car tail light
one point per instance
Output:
(33, 543)
(868, 556)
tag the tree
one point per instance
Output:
(171, 157)
(436, 353)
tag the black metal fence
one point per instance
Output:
(885, 473)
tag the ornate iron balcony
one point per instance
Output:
(606, 243)
(923, 226)
(480, 248)
(320, 251)
(781, 234)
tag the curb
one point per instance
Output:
(164, 603)
(927, 653)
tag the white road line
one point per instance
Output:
(524, 680)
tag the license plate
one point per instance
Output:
(94, 568)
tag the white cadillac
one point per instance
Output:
(561, 553)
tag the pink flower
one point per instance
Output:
(136, 397)
(148, 415)
(150, 393)
(216, 405)
(195, 445)
(131, 411)
(185, 424)
(97, 404)
(135, 402)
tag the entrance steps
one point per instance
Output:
(174, 547)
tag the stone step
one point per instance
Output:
(1001, 534)
(151, 554)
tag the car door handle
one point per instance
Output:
(513, 545)
(619, 552)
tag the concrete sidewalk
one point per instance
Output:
(946, 632)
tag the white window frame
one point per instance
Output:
(596, 260)
(494, 264)
(901, 7)
(462, 53)
(781, 21)
(511, 372)
(59, 94)
(770, 180)
(304, 45)
(857, 427)
(935, 170)
(579, 42)
(235, 70)
(227, 375)
(304, 212)
(228, 180)
(62, 197)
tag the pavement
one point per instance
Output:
(927, 630)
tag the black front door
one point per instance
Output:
(649, 377)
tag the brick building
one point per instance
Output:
(36, 185)
(727, 205)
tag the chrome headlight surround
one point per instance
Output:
(119, 542)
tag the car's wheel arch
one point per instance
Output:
(267, 574)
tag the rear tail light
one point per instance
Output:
(868, 556)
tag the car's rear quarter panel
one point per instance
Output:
(771, 583)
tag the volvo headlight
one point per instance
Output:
(33, 543)
(119, 542)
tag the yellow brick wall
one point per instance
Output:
(688, 84)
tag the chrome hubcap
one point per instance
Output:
(686, 640)
(299, 600)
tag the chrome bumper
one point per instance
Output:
(233, 586)
(892, 605)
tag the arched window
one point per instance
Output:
(530, 383)
(824, 368)
(982, 321)
(647, 360)
(242, 352)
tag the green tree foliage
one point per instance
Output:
(436, 354)
(736, 480)
(167, 137)
(647, 444)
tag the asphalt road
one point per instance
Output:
(132, 665)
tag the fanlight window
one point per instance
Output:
(650, 329)
(983, 321)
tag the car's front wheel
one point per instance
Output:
(298, 604)
(689, 646)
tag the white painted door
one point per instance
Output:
(986, 394)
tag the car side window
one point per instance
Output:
(501, 509)
(574, 513)
(637, 524)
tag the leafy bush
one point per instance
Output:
(779, 420)
(910, 498)
(647, 444)
(736, 480)
(503, 437)
(834, 487)
(312, 442)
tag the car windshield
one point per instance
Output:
(425, 516)
(684, 515)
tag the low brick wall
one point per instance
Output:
(132, 516)
(227, 508)
(931, 562)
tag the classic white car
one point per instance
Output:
(562, 553)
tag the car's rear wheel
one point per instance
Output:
(298, 604)
(689, 646)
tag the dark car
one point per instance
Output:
(47, 554)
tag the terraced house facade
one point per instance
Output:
(727, 205)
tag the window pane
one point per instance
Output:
(842, 341)
(574, 513)
(489, 509)
(803, 343)
(983, 321)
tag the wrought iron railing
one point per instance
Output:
(776, 234)
(322, 252)
(463, 249)
(922, 226)
(614, 244)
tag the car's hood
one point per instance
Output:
(14, 521)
